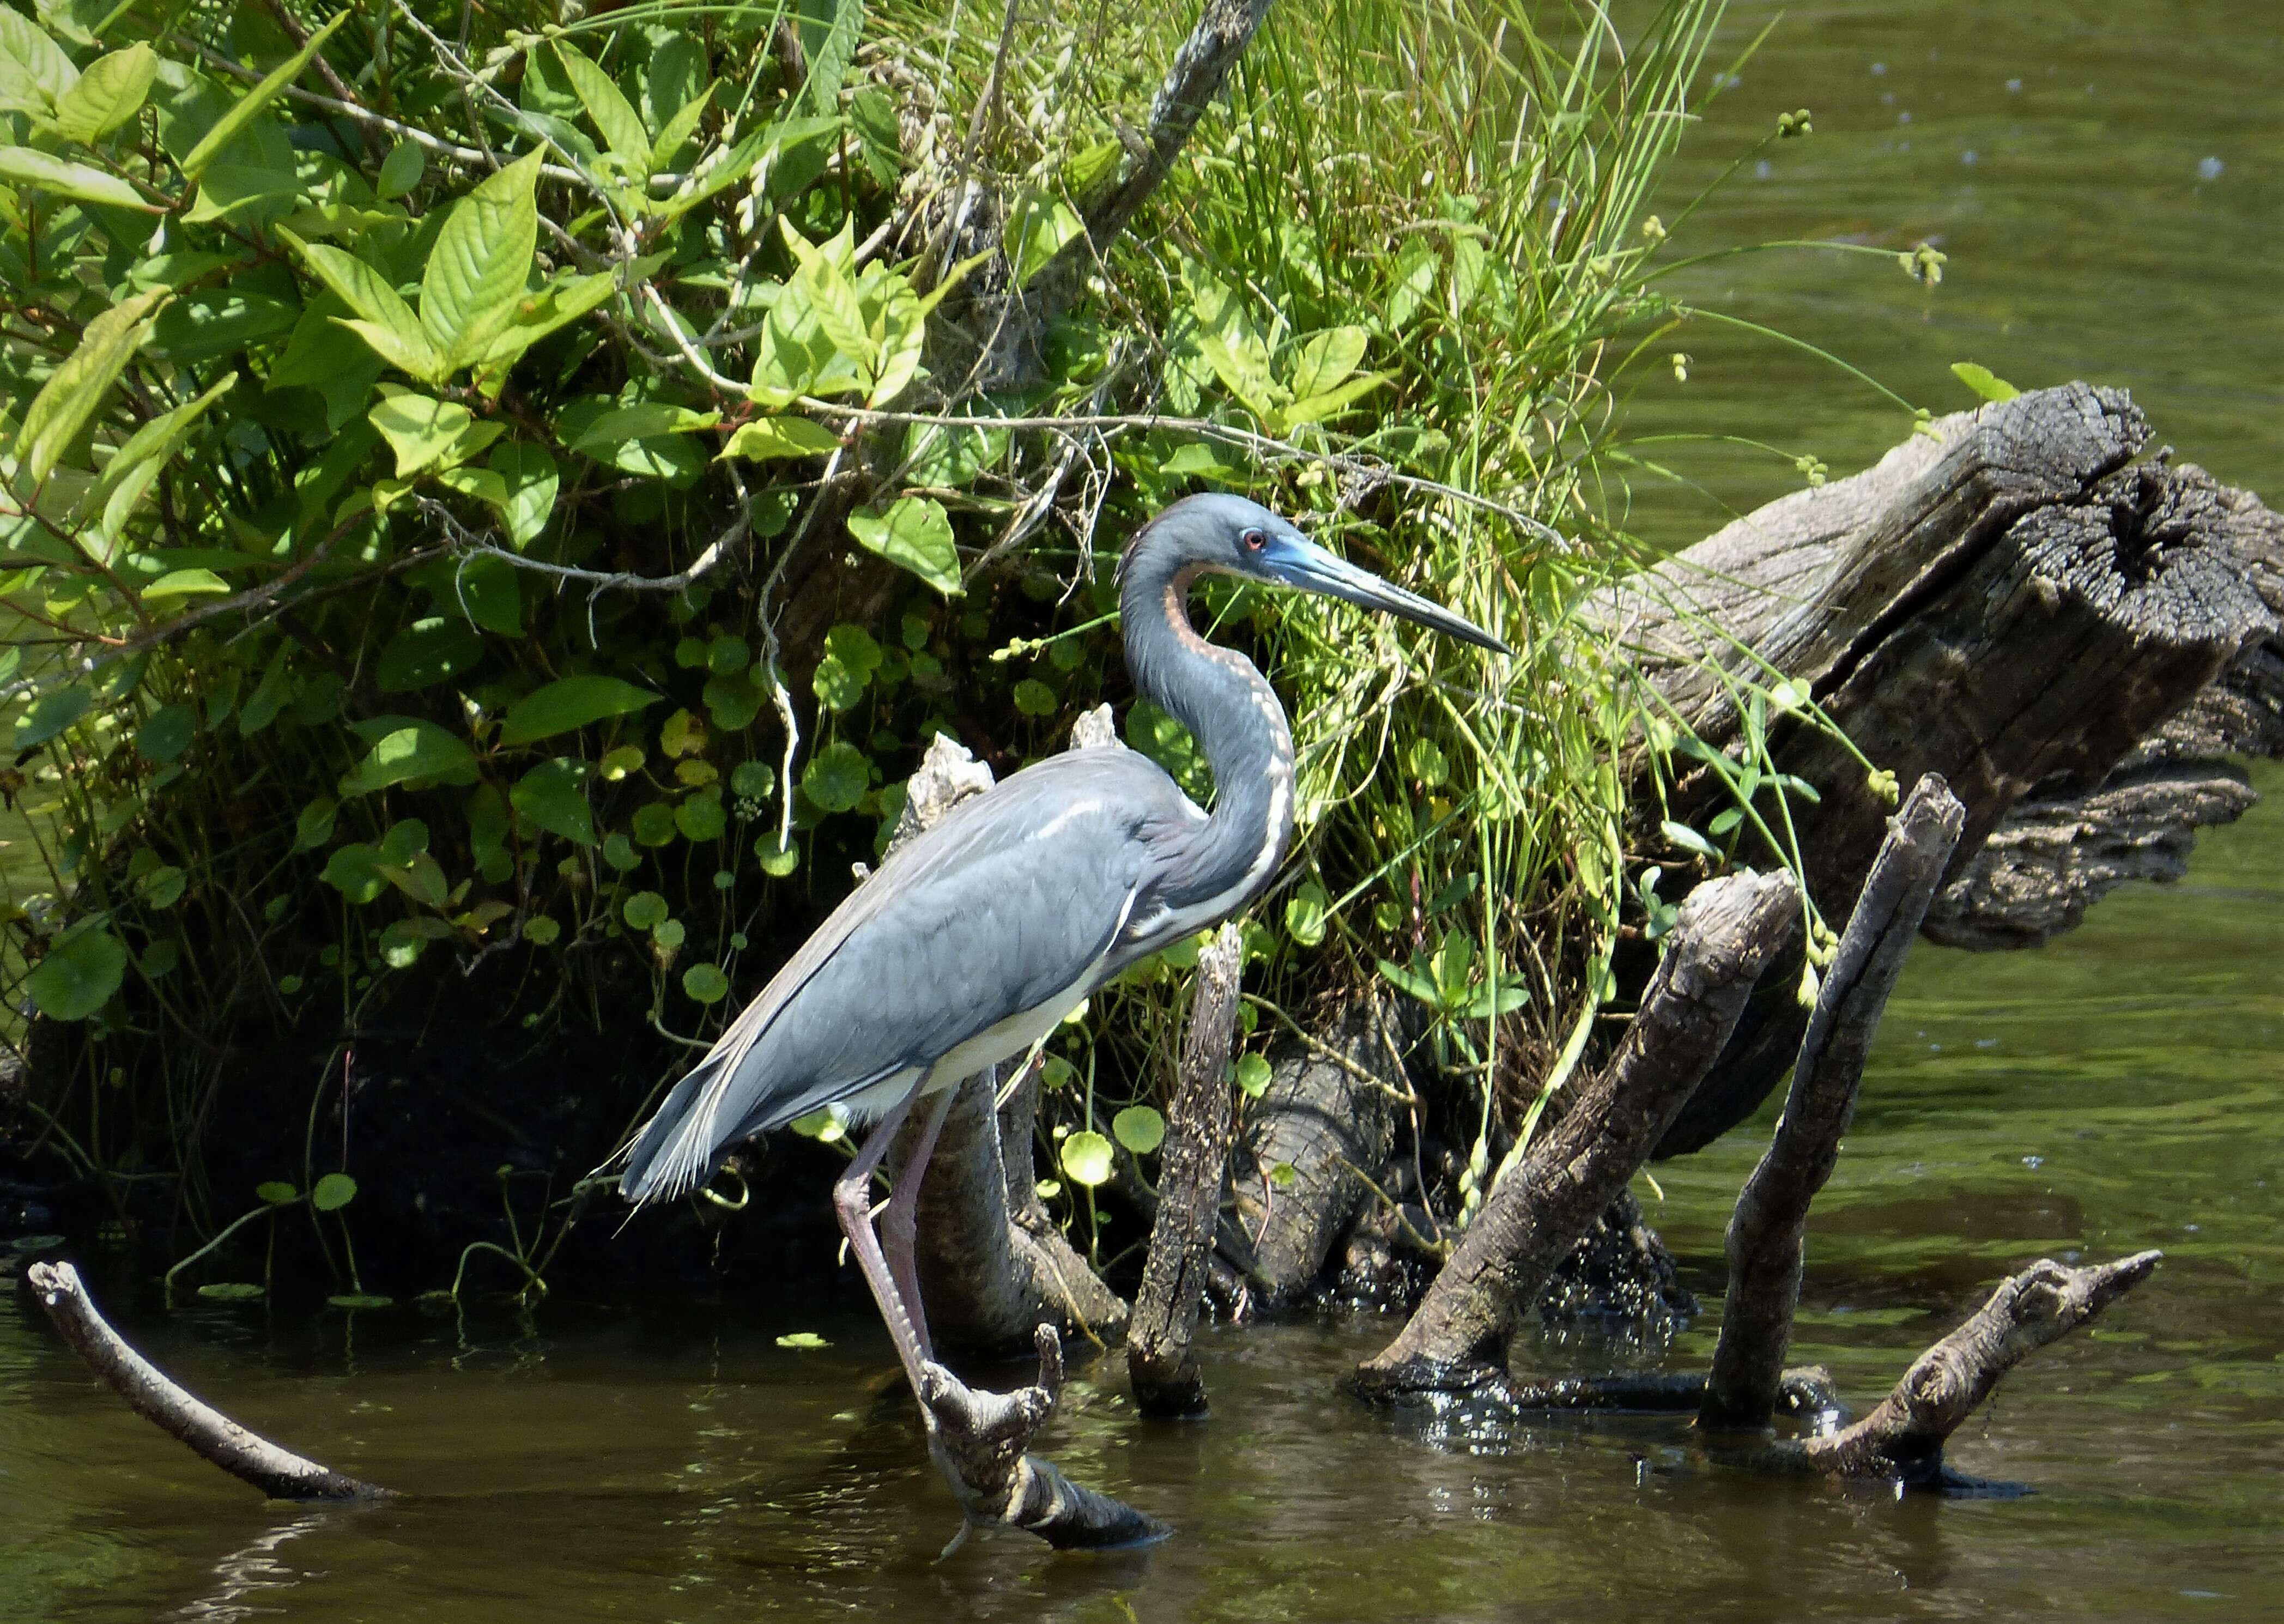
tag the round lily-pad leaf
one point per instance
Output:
(803, 1339)
(1253, 1075)
(777, 860)
(1086, 1158)
(836, 776)
(26, 1244)
(79, 974)
(1139, 1128)
(332, 1192)
(360, 1299)
(705, 983)
(539, 931)
(231, 1291)
(645, 910)
(276, 1193)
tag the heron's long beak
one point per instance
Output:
(1305, 565)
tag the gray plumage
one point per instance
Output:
(977, 937)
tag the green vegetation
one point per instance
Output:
(432, 435)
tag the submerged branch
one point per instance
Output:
(1161, 1355)
(1770, 1221)
(246, 1456)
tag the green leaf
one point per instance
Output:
(552, 796)
(803, 1339)
(700, 817)
(475, 272)
(1253, 1075)
(1086, 1159)
(314, 826)
(752, 780)
(1983, 382)
(533, 482)
(332, 1192)
(645, 910)
(705, 983)
(1689, 839)
(425, 652)
(38, 73)
(81, 972)
(77, 387)
(1410, 981)
(355, 870)
(421, 752)
(184, 583)
(621, 426)
(915, 533)
(836, 686)
(1326, 359)
(1038, 227)
(568, 703)
(385, 321)
(678, 129)
(424, 431)
(836, 776)
(1034, 698)
(21, 166)
(51, 714)
(536, 315)
(359, 1299)
(232, 1291)
(109, 93)
(614, 115)
(770, 437)
(1139, 1128)
(166, 732)
(276, 1193)
(654, 823)
(828, 63)
(1304, 914)
(400, 171)
(242, 114)
(541, 931)
(777, 860)
(402, 941)
(127, 477)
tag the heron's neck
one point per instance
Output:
(1234, 715)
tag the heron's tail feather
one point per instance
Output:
(677, 1149)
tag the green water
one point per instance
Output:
(2117, 1090)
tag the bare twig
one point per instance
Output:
(277, 1471)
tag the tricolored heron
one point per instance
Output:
(974, 939)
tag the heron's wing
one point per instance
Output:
(1015, 897)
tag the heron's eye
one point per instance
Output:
(1254, 540)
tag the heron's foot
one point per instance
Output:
(977, 1439)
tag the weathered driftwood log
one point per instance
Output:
(1903, 1440)
(977, 1439)
(152, 1393)
(1329, 1114)
(2006, 602)
(1767, 1229)
(1192, 1167)
(2060, 850)
(1729, 931)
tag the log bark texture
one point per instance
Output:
(1161, 1341)
(1770, 1225)
(158, 1399)
(1729, 931)
(1329, 1112)
(2010, 603)
(2062, 848)
(1903, 1440)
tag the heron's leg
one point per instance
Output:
(899, 1220)
(852, 1204)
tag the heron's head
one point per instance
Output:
(1232, 536)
